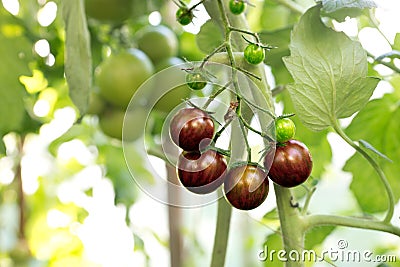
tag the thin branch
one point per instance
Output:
(377, 168)
(320, 220)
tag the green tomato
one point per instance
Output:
(196, 80)
(119, 76)
(158, 42)
(184, 15)
(112, 124)
(114, 11)
(285, 130)
(254, 54)
(237, 6)
(96, 104)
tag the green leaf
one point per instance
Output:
(273, 242)
(329, 6)
(317, 235)
(329, 71)
(377, 123)
(341, 9)
(15, 54)
(209, 37)
(78, 60)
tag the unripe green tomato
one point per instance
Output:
(120, 75)
(254, 54)
(184, 16)
(196, 80)
(113, 11)
(96, 104)
(285, 130)
(237, 6)
(112, 124)
(158, 42)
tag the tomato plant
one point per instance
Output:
(201, 173)
(80, 133)
(191, 129)
(246, 187)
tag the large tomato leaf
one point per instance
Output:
(15, 53)
(378, 124)
(78, 59)
(329, 71)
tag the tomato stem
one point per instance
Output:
(221, 233)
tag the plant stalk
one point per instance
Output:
(221, 233)
(292, 226)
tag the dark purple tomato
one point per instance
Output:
(191, 129)
(246, 187)
(201, 173)
(291, 165)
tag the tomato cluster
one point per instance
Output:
(246, 185)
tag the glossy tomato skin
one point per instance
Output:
(291, 165)
(191, 129)
(201, 173)
(254, 54)
(246, 187)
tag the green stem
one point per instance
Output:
(375, 165)
(244, 133)
(292, 225)
(320, 220)
(221, 233)
(214, 95)
(310, 193)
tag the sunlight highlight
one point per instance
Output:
(47, 14)
(11, 6)
(42, 48)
